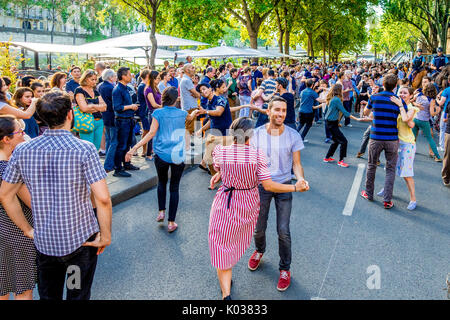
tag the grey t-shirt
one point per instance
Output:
(278, 150)
(187, 100)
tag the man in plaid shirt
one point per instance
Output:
(63, 174)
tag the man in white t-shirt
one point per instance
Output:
(281, 145)
(188, 94)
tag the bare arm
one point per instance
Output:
(83, 105)
(149, 136)
(12, 207)
(194, 93)
(103, 203)
(152, 101)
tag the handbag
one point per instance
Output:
(83, 122)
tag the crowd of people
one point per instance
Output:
(254, 119)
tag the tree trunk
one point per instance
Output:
(253, 39)
(153, 40)
(287, 42)
(280, 41)
(324, 49)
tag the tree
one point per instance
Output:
(251, 14)
(430, 17)
(148, 10)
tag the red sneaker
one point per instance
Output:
(284, 281)
(388, 205)
(255, 260)
(342, 164)
(328, 160)
(365, 195)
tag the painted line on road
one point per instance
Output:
(351, 199)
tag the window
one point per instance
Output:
(41, 26)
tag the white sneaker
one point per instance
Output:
(305, 141)
(440, 149)
(349, 126)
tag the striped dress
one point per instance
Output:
(232, 223)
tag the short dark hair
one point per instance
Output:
(271, 73)
(233, 70)
(276, 99)
(36, 84)
(209, 69)
(283, 82)
(53, 108)
(122, 72)
(309, 83)
(75, 67)
(390, 82)
(169, 96)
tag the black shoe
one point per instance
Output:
(121, 173)
(204, 168)
(102, 154)
(130, 167)
(227, 298)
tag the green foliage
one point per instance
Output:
(9, 62)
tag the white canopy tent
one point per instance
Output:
(142, 40)
(58, 48)
(225, 52)
(137, 53)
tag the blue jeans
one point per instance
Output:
(125, 139)
(111, 146)
(348, 107)
(283, 205)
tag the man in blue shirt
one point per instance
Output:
(124, 110)
(173, 82)
(106, 89)
(383, 137)
(439, 61)
(73, 83)
(256, 74)
(308, 99)
(417, 64)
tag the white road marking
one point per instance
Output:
(351, 199)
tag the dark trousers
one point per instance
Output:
(327, 131)
(124, 141)
(52, 274)
(338, 139)
(306, 119)
(390, 149)
(283, 204)
(365, 141)
(176, 171)
(348, 107)
(317, 114)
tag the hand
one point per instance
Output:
(135, 107)
(234, 94)
(302, 185)
(397, 101)
(34, 100)
(214, 180)
(29, 234)
(129, 154)
(199, 133)
(99, 243)
(445, 119)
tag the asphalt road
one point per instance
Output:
(334, 256)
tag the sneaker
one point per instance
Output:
(305, 141)
(328, 160)
(342, 164)
(255, 260)
(122, 174)
(284, 281)
(102, 154)
(172, 228)
(327, 140)
(359, 155)
(130, 167)
(436, 159)
(388, 205)
(349, 126)
(381, 193)
(446, 183)
(161, 216)
(227, 298)
(412, 205)
(365, 195)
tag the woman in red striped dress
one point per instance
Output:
(236, 205)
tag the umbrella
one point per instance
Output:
(224, 52)
(137, 53)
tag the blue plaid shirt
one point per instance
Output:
(58, 168)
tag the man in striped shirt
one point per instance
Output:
(383, 137)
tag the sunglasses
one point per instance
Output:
(18, 132)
